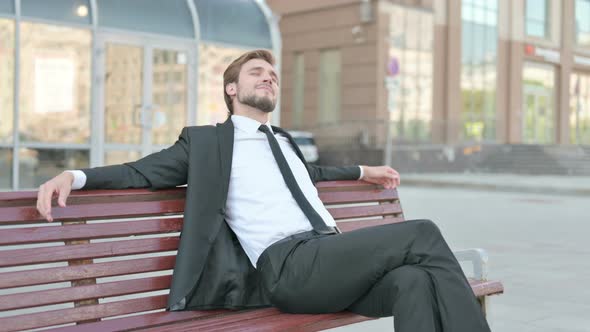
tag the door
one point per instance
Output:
(538, 115)
(144, 96)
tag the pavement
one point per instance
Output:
(537, 245)
(537, 184)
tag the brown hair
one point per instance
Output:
(232, 73)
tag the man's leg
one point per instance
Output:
(408, 293)
(331, 273)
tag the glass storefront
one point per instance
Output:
(411, 34)
(582, 23)
(6, 80)
(169, 95)
(330, 87)
(111, 83)
(213, 59)
(537, 18)
(39, 165)
(478, 70)
(5, 168)
(55, 67)
(538, 110)
(580, 108)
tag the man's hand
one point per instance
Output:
(61, 185)
(383, 175)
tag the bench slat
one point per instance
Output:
(365, 211)
(281, 322)
(84, 313)
(24, 214)
(86, 251)
(486, 287)
(347, 226)
(18, 198)
(77, 272)
(145, 321)
(336, 197)
(88, 231)
(71, 294)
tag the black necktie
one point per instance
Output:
(314, 218)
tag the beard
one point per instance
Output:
(264, 104)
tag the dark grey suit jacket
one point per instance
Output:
(212, 270)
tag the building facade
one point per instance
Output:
(437, 72)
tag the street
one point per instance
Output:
(536, 246)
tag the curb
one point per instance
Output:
(496, 187)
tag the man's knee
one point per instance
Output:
(427, 226)
(409, 279)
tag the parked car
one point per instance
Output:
(307, 145)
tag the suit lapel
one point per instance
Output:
(225, 139)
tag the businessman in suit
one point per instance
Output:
(256, 234)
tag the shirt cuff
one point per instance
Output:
(360, 177)
(79, 179)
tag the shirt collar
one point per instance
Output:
(247, 124)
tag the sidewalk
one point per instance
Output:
(540, 184)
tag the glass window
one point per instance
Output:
(580, 109)
(583, 22)
(233, 22)
(213, 60)
(72, 11)
(7, 6)
(6, 80)
(537, 18)
(51, 109)
(330, 86)
(39, 165)
(123, 96)
(298, 90)
(538, 104)
(6, 167)
(169, 111)
(478, 70)
(170, 17)
(411, 36)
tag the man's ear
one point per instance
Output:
(230, 89)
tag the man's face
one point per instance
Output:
(258, 85)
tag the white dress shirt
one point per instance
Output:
(260, 209)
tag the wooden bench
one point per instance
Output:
(110, 254)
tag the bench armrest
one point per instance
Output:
(478, 258)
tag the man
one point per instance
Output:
(256, 233)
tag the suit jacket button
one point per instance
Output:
(222, 211)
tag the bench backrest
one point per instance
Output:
(111, 252)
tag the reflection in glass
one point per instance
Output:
(330, 86)
(213, 60)
(123, 94)
(583, 22)
(478, 70)
(580, 109)
(6, 80)
(54, 84)
(410, 43)
(5, 168)
(39, 165)
(168, 96)
(537, 19)
(119, 157)
(538, 104)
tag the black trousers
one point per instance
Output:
(406, 270)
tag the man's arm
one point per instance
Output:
(384, 175)
(167, 168)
